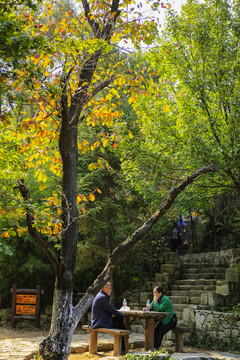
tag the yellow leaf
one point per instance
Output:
(98, 190)
(20, 232)
(115, 92)
(105, 142)
(91, 197)
(55, 230)
(130, 134)
(109, 97)
(44, 178)
(6, 234)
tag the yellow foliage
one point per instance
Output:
(91, 197)
(6, 234)
(130, 134)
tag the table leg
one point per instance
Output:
(126, 322)
(149, 334)
(127, 327)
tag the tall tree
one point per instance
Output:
(66, 90)
(188, 115)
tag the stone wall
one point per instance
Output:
(220, 325)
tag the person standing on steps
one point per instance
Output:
(162, 303)
(176, 238)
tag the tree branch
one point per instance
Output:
(97, 89)
(121, 249)
(94, 25)
(46, 248)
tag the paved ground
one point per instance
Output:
(18, 345)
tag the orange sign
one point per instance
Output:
(26, 299)
(26, 309)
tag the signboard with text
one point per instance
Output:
(26, 304)
(26, 309)
(26, 299)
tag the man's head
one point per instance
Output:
(107, 288)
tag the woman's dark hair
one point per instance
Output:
(160, 289)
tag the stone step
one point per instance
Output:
(217, 276)
(179, 293)
(179, 307)
(184, 266)
(203, 269)
(188, 288)
(137, 329)
(179, 299)
(203, 272)
(196, 300)
(198, 293)
(195, 290)
(179, 315)
(192, 282)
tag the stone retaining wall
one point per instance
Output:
(220, 325)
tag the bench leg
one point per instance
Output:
(179, 342)
(93, 339)
(117, 349)
(126, 342)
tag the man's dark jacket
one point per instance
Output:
(102, 312)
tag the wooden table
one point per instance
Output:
(147, 321)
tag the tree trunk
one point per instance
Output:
(58, 343)
(57, 346)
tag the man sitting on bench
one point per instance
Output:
(102, 311)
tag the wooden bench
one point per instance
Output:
(117, 333)
(179, 337)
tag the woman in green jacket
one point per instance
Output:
(162, 303)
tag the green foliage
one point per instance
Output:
(203, 339)
(188, 114)
(111, 217)
(156, 355)
(25, 265)
(233, 309)
(15, 45)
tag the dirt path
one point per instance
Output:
(20, 344)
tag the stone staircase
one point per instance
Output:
(194, 280)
